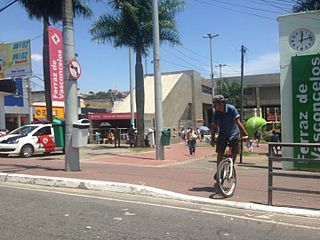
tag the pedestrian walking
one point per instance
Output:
(275, 138)
(257, 136)
(116, 137)
(131, 135)
(250, 144)
(98, 136)
(192, 137)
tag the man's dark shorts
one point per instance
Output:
(222, 143)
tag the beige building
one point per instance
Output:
(186, 98)
(181, 96)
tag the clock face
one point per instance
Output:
(301, 39)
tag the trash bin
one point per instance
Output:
(59, 132)
(165, 136)
(80, 133)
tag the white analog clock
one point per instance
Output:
(301, 39)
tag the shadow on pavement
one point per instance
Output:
(250, 165)
(14, 168)
(215, 194)
(47, 157)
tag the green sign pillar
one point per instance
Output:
(306, 107)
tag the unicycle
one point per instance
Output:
(226, 175)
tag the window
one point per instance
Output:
(43, 131)
(206, 89)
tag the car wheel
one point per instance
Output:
(26, 151)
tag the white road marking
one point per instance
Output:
(202, 210)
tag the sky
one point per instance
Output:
(251, 23)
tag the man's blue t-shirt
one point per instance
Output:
(226, 122)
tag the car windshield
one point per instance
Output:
(23, 130)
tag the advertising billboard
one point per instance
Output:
(15, 63)
(15, 60)
(56, 64)
(306, 106)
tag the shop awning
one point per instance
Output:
(110, 116)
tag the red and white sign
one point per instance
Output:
(56, 64)
(47, 143)
(74, 69)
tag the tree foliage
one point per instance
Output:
(306, 5)
(50, 11)
(231, 90)
(130, 25)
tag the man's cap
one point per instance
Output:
(218, 99)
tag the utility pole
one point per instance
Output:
(210, 36)
(157, 81)
(220, 69)
(243, 51)
(72, 162)
(30, 100)
(131, 88)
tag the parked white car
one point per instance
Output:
(29, 139)
(3, 132)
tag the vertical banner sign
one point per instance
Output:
(306, 107)
(56, 64)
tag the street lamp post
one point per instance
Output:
(220, 69)
(210, 36)
(157, 81)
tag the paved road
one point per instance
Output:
(32, 212)
(180, 173)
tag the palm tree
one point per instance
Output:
(130, 25)
(306, 5)
(50, 11)
(231, 91)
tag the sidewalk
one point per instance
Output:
(179, 172)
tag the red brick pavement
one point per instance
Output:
(179, 172)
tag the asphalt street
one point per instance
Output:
(34, 212)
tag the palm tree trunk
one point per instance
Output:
(139, 98)
(46, 69)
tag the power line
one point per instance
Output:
(246, 7)
(231, 9)
(189, 56)
(256, 15)
(8, 5)
(274, 5)
(4, 3)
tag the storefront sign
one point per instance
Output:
(39, 112)
(306, 106)
(17, 98)
(56, 64)
(110, 116)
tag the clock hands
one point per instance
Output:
(306, 38)
(301, 36)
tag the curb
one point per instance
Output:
(147, 191)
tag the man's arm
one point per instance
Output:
(241, 127)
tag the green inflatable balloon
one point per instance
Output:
(253, 124)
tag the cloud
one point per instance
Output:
(268, 63)
(36, 57)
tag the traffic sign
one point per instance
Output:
(74, 69)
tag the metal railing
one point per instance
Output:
(272, 158)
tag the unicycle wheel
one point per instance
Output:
(226, 178)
